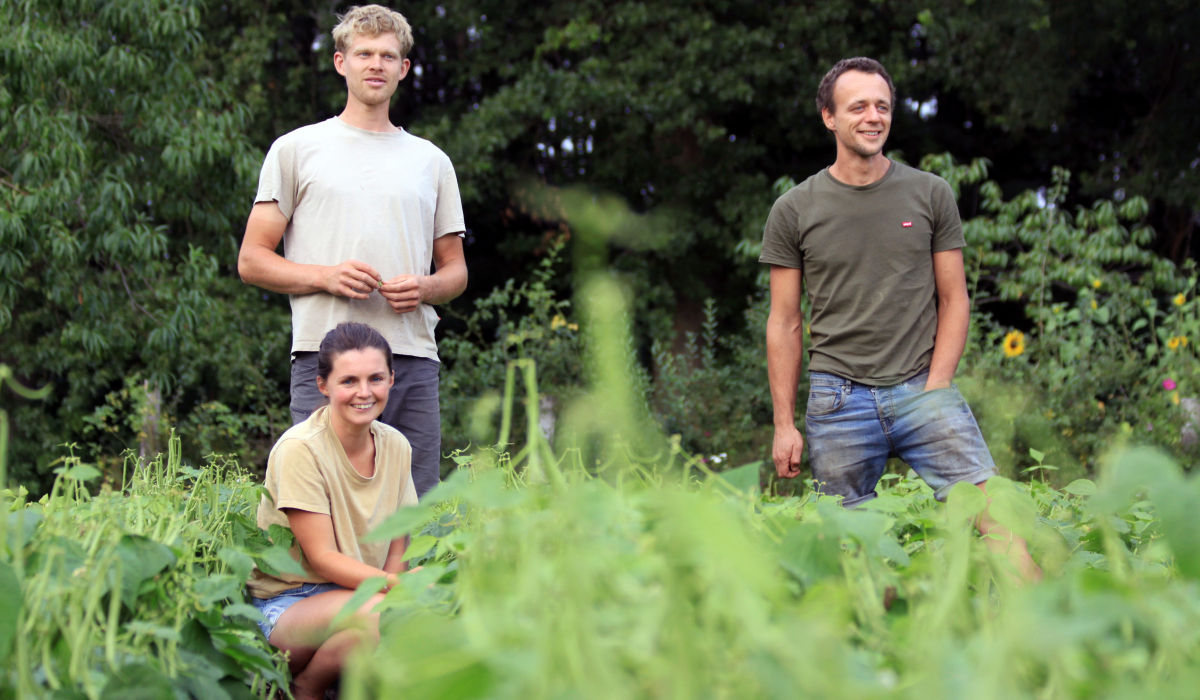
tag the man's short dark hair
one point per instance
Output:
(860, 64)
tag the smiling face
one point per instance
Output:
(373, 67)
(357, 386)
(862, 113)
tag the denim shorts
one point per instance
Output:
(854, 428)
(272, 608)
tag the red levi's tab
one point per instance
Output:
(906, 224)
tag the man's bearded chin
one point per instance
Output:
(867, 151)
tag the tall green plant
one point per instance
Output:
(1107, 323)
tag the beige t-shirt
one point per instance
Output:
(308, 470)
(379, 198)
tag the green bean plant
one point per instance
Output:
(136, 591)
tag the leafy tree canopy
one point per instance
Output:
(133, 133)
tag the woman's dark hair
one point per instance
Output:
(346, 337)
(860, 64)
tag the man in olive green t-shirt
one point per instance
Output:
(880, 247)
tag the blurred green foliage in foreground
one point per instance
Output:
(603, 559)
(638, 584)
(620, 566)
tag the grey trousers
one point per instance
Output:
(412, 408)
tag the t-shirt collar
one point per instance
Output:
(322, 415)
(373, 134)
(861, 188)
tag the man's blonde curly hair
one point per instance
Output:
(372, 21)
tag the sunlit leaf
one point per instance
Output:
(1081, 487)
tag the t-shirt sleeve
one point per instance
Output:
(277, 179)
(947, 226)
(408, 489)
(781, 235)
(298, 483)
(408, 495)
(448, 217)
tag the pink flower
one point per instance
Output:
(1169, 384)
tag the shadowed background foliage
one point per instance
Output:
(134, 130)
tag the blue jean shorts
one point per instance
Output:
(854, 428)
(272, 608)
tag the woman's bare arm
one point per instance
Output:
(314, 532)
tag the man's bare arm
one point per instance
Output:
(406, 292)
(260, 265)
(395, 563)
(954, 317)
(785, 350)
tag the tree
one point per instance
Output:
(136, 130)
(1106, 89)
(124, 176)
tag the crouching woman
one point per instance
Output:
(332, 479)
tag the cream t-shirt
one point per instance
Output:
(379, 198)
(309, 470)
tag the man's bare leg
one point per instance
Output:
(1008, 544)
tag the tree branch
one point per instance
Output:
(130, 293)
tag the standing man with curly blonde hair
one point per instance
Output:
(363, 209)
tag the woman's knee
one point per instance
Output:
(369, 606)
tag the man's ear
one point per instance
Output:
(339, 61)
(827, 117)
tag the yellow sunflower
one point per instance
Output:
(1179, 299)
(1177, 342)
(1014, 344)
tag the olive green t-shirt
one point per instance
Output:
(309, 470)
(866, 256)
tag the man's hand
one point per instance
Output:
(931, 384)
(403, 293)
(789, 445)
(352, 279)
